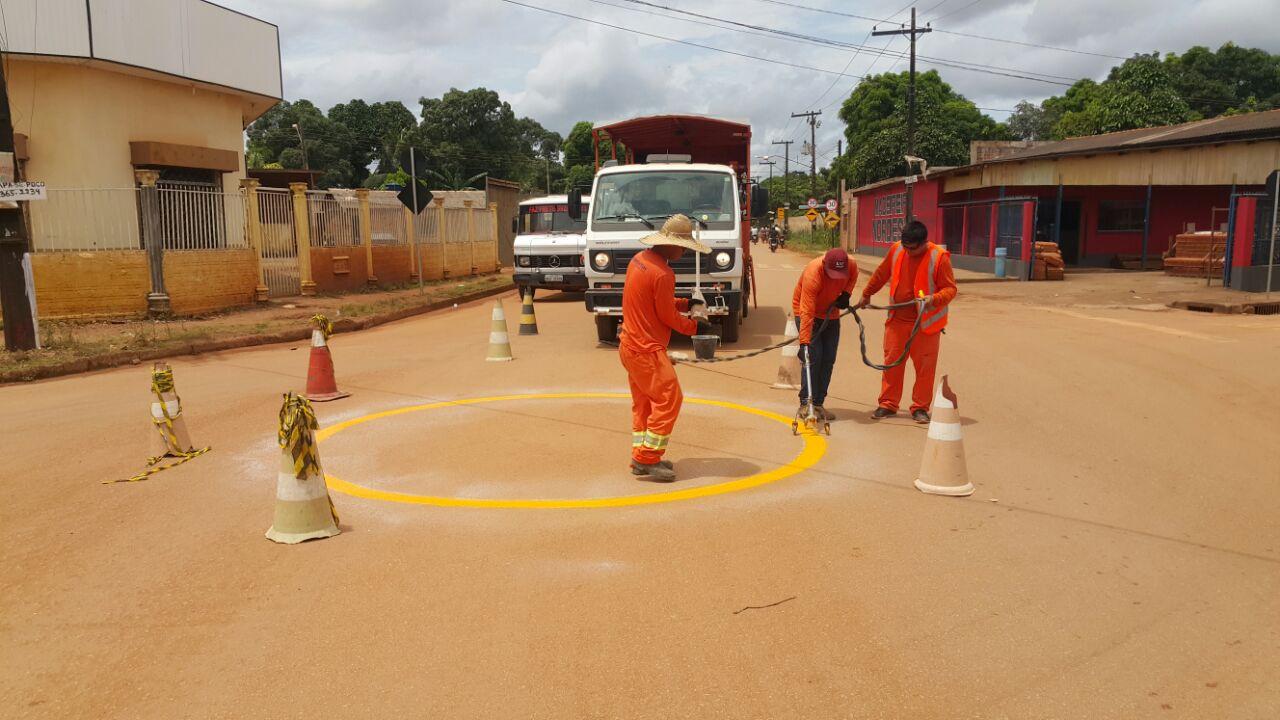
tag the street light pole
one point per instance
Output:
(302, 144)
(786, 171)
(913, 32)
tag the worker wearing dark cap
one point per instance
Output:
(823, 291)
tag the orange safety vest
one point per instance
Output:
(936, 319)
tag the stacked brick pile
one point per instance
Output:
(1048, 264)
(1190, 253)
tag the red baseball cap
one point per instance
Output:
(836, 263)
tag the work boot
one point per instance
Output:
(823, 413)
(921, 416)
(656, 471)
(636, 468)
(881, 413)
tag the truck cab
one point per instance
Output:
(672, 164)
(549, 245)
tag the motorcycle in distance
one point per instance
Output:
(773, 240)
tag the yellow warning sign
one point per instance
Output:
(812, 215)
(782, 213)
(832, 220)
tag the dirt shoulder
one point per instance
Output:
(70, 346)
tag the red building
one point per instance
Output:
(1108, 200)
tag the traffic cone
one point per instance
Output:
(528, 321)
(499, 341)
(303, 508)
(789, 367)
(322, 386)
(169, 436)
(943, 470)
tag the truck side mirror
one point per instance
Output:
(759, 201)
(575, 203)
(515, 226)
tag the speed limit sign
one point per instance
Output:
(813, 203)
(831, 205)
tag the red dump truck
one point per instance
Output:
(660, 166)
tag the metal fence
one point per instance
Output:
(455, 224)
(279, 248)
(387, 221)
(195, 216)
(334, 223)
(426, 226)
(79, 220)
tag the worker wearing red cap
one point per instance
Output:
(823, 291)
(650, 311)
(915, 269)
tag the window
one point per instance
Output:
(620, 197)
(1120, 216)
(545, 219)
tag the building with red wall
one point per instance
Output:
(1108, 200)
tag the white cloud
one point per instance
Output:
(559, 70)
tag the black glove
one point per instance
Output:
(706, 328)
(842, 302)
(695, 302)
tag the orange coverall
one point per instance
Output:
(897, 328)
(650, 311)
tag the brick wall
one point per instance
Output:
(391, 264)
(200, 281)
(70, 284)
(459, 259)
(339, 269)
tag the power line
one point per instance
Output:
(958, 10)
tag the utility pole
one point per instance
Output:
(786, 171)
(913, 32)
(770, 163)
(302, 144)
(813, 149)
(19, 325)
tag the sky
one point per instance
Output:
(558, 70)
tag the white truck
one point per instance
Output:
(692, 165)
(549, 245)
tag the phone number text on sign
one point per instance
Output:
(23, 191)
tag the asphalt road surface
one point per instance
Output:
(1120, 558)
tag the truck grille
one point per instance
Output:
(622, 258)
(560, 261)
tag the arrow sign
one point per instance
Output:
(424, 197)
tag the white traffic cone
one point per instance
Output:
(303, 508)
(499, 340)
(943, 471)
(789, 365)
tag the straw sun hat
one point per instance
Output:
(677, 230)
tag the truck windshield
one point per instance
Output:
(619, 198)
(541, 219)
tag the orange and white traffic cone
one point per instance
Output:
(528, 320)
(943, 470)
(499, 341)
(322, 386)
(789, 366)
(304, 510)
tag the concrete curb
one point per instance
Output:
(1261, 307)
(199, 347)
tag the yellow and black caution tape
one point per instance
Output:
(324, 325)
(161, 383)
(296, 436)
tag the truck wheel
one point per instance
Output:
(729, 326)
(606, 329)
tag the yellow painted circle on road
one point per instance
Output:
(814, 448)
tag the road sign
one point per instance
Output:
(782, 213)
(812, 215)
(813, 202)
(832, 220)
(23, 191)
(831, 205)
(424, 197)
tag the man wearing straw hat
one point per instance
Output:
(650, 311)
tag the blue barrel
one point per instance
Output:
(1001, 254)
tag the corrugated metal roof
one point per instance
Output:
(891, 181)
(1237, 128)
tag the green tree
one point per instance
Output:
(876, 127)
(378, 132)
(1233, 79)
(467, 133)
(1029, 122)
(327, 149)
(1137, 94)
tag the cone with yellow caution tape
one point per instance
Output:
(943, 471)
(789, 365)
(322, 385)
(168, 433)
(304, 510)
(528, 321)
(499, 340)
